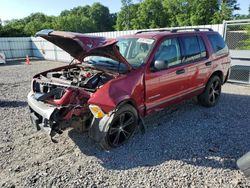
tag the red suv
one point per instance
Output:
(113, 83)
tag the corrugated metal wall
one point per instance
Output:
(16, 47)
(38, 47)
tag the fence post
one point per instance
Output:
(224, 29)
(55, 53)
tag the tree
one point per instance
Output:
(178, 12)
(225, 12)
(190, 12)
(123, 21)
(126, 13)
(74, 23)
(13, 28)
(151, 14)
(202, 11)
(82, 19)
(101, 17)
(36, 22)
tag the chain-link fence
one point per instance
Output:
(237, 36)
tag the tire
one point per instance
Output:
(117, 129)
(211, 94)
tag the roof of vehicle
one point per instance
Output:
(158, 34)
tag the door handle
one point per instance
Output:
(209, 63)
(180, 71)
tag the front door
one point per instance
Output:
(167, 84)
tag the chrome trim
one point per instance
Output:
(155, 96)
(172, 98)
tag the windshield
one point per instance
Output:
(100, 61)
(135, 50)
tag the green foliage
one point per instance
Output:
(101, 17)
(13, 28)
(226, 11)
(141, 15)
(190, 12)
(82, 19)
(150, 14)
(126, 17)
(246, 43)
(74, 23)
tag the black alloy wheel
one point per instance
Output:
(214, 92)
(121, 129)
(211, 94)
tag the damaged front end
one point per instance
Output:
(59, 98)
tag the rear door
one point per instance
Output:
(195, 57)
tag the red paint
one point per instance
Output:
(148, 91)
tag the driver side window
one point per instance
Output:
(169, 52)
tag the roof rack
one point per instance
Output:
(195, 29)
(173, 30)
(157, 30)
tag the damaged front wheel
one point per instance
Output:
(117, 129)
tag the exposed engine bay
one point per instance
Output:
(64, 93)
(79, 76)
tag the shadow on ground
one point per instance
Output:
(12, 104)
(212, 137)
(21, 61)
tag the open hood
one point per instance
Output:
(79, 45)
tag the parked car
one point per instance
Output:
(117, 82)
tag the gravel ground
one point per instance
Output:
(184, 146)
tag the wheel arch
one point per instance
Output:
(130, 102)
(218, 73)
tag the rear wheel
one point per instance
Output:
(212, 92)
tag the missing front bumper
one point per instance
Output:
(54, 119)
(42, 115)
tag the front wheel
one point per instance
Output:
(212, 92)
(119, 129)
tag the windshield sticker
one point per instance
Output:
(147, 41)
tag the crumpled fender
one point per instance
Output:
(126, 87)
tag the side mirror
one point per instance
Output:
(160, 64)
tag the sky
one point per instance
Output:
(17, 9)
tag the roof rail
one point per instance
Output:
(157, 30)
(195, 29)
(173, 30)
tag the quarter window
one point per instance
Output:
(218, 44)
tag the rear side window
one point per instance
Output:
(218, 44)
(193, 48)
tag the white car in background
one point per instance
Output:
(2, 58)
